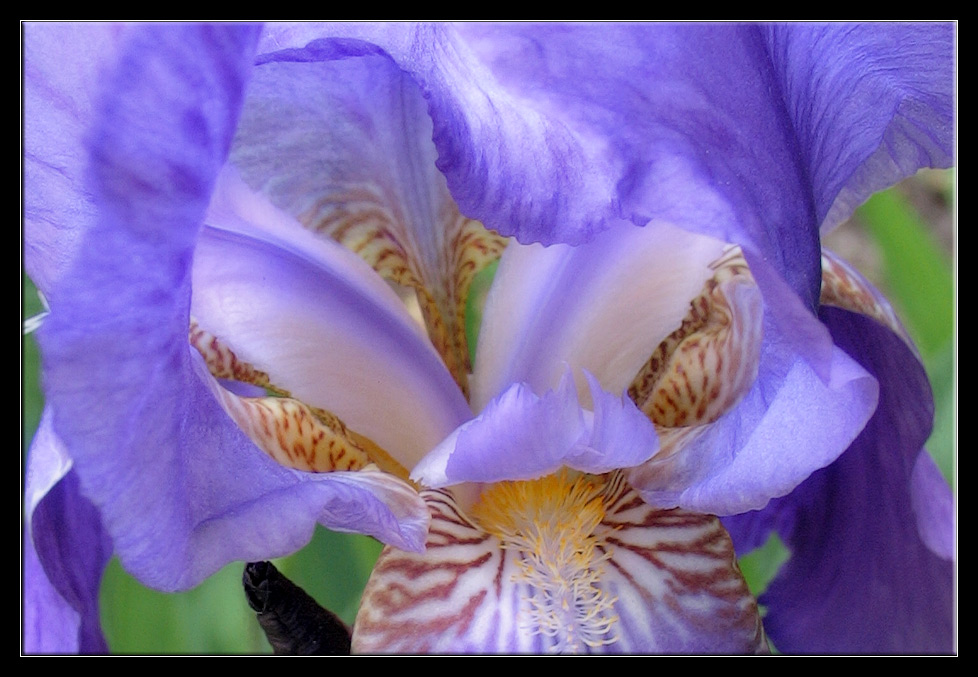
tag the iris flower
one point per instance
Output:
(664, 342)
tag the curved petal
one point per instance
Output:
(523, 114)
(869, 535)
(523, 436)
(606, 305)
(790, 424)
(482, 130)
(933, 504)
(65, 553)
(603, 307)
(179, 487)
(618, 435)
(321, 324)
(871, 104)
(63, 64)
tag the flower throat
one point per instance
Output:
(551, 523)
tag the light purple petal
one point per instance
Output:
(65, 553)
(869, 536)
(349, 141)
(742, 132)
(871, 104)
(63, 63)
(482, 128)
(521, 436)
(321, 324)
(179, 487)
(619, 434)
(933, 505)
(770, 442)
(50, 625)
(606, 305)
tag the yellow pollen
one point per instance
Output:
(551, 523)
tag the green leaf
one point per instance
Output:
(213, 618)
(760, 566)
(916, 270)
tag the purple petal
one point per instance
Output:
(65, 553)
(790, 424)
(603, 307)
(606, 305)
(620, 436)
(348, 136)
(480, 127)
(179, 487)
(870, 535)
(933, 504)
(733, 131)
(519, 435)
(871, 104)
(62, 67)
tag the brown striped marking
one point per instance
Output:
(438, 262)
(291, 432)
(844, 287)
(671, 578)
(703, 368)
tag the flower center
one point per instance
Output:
(553, 524)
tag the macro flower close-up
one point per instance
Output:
(262, 251)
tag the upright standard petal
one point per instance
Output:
(602, 307)
(183, 491)
(729, 130)
(608, 306)
(523, 115)
(870, 569)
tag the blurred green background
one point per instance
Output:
(902, 239)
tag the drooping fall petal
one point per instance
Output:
(596, 570)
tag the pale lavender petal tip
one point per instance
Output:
(933, 503)
(521, 435)
(620, 435)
